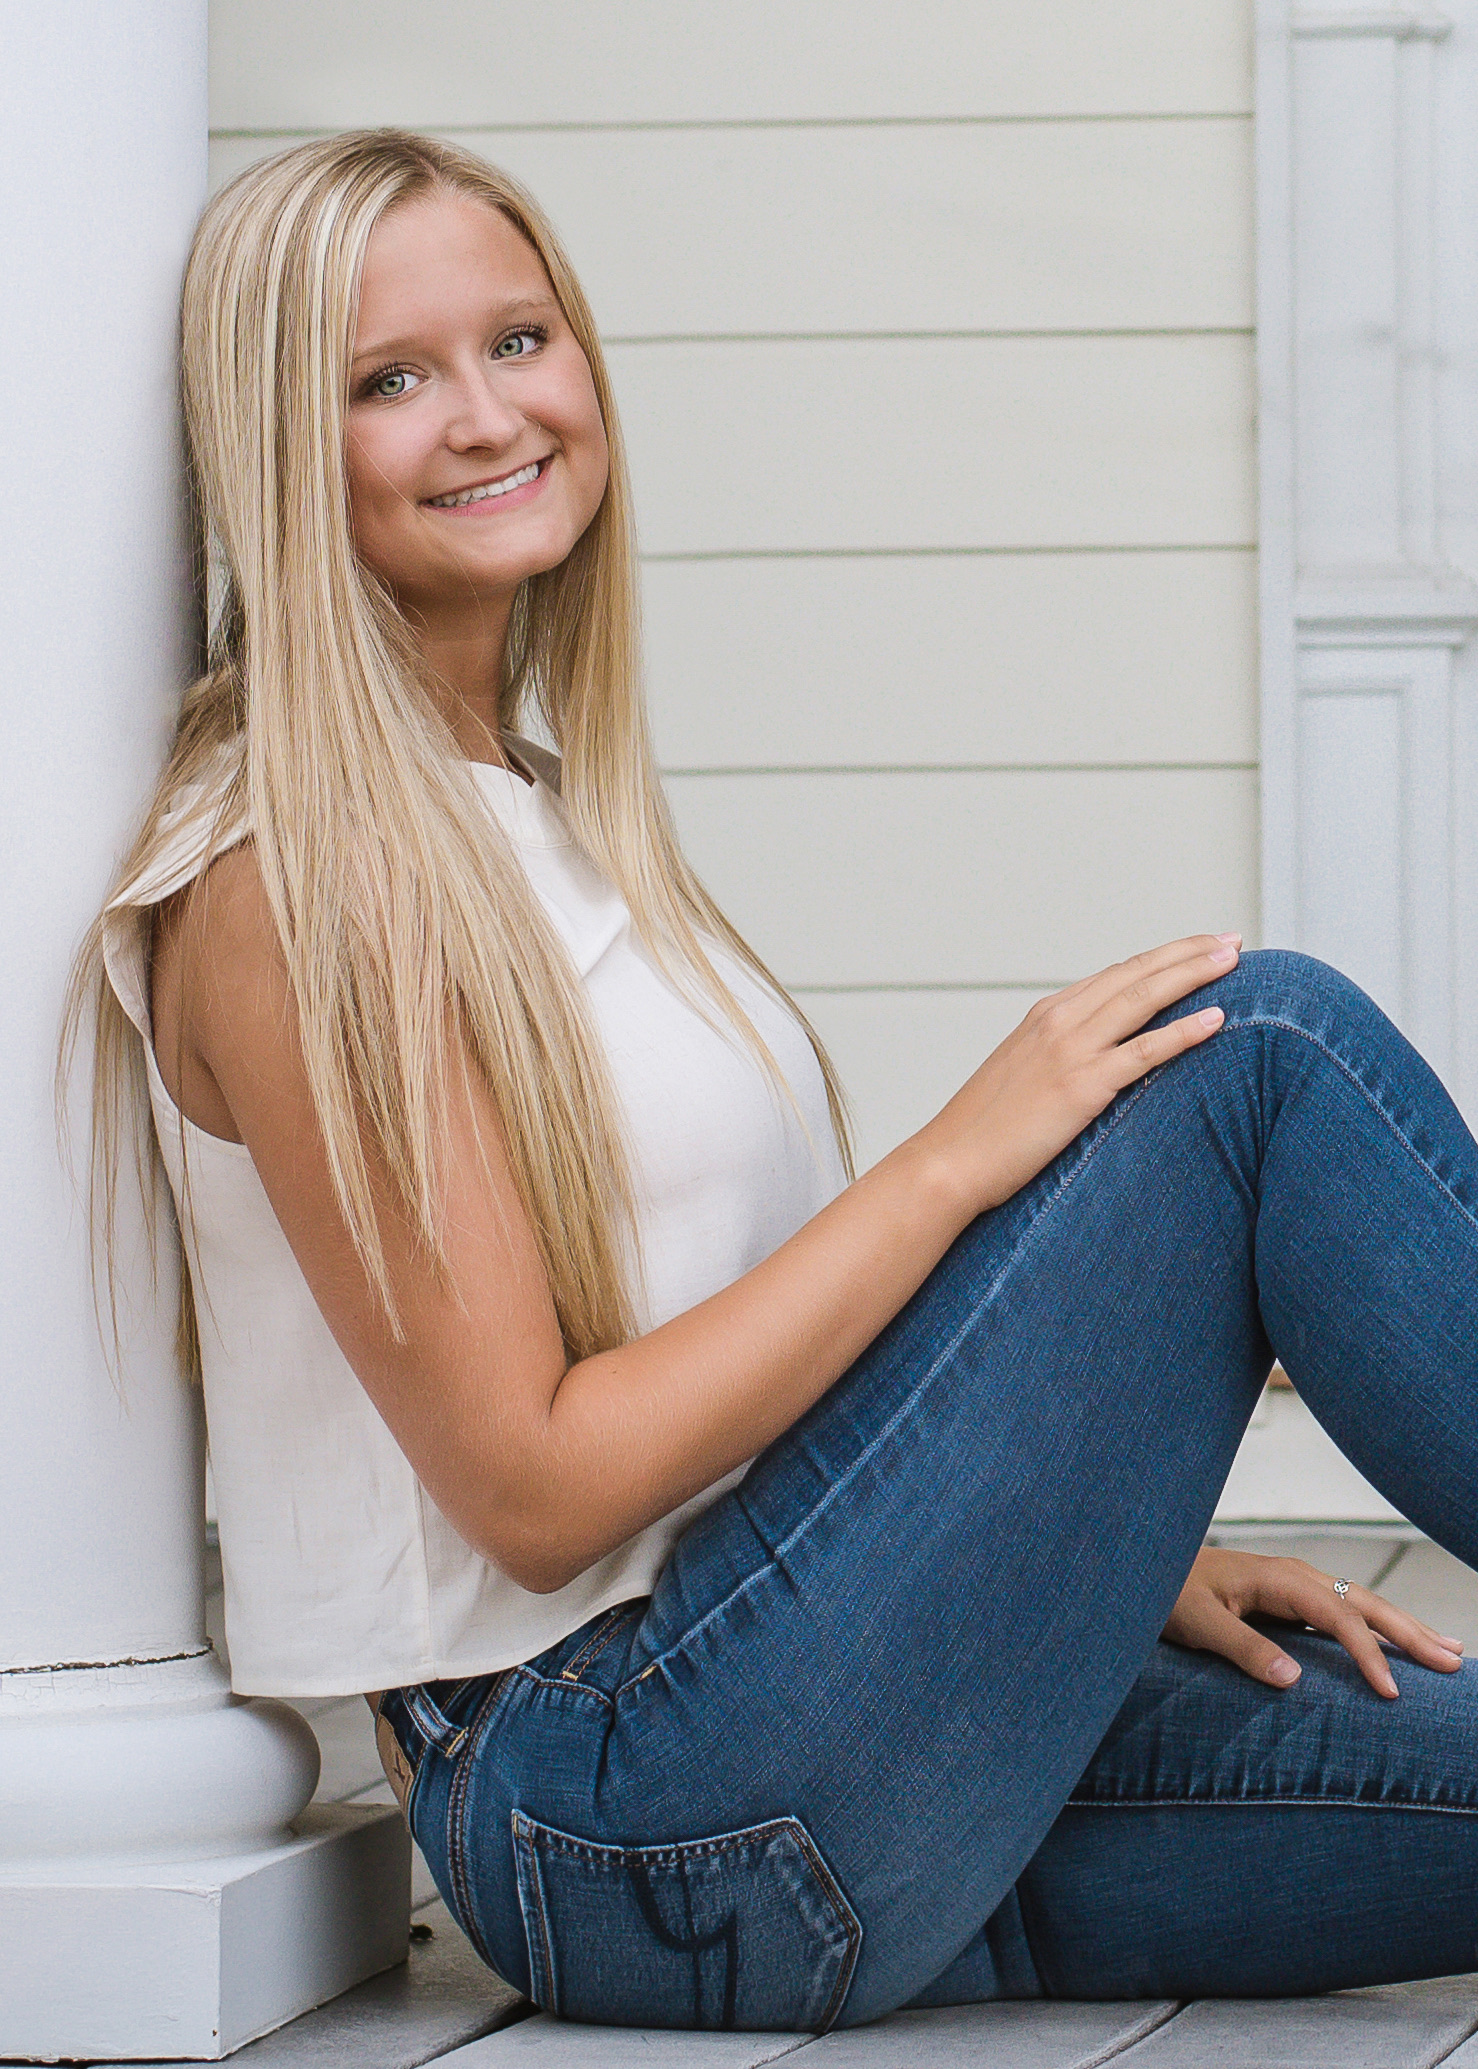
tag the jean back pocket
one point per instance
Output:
(748, 1929)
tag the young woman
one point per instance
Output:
(758, 1577)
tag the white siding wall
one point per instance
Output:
(932, 332)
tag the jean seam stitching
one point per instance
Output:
(575, 1666)
(1353, 1077)
(594, 1647)
(1449, 1810)
(424, 1714)
(663, 1852)
(523, 1832)
(456, 1798)
(843, 1911)
(530, 1836)
(576, 1688)
(905, 1408)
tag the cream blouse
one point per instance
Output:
(340, 1572)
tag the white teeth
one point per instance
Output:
(492, 488)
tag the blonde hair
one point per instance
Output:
(403, 914)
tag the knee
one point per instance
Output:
(1281, 987)
(1279, 982)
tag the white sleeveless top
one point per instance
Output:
(340, 1572)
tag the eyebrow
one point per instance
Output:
(508, 312)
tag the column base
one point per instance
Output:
(192, 1959)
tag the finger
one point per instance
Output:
(1145, 993)
(1350, 1629)
(1148, 966)
(1289, 1588)
(1299, 1590)
(1417, 1639)
(1209, 1626)
(1147, 1051)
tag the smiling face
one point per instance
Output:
(476, 453)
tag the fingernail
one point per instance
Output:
(1391, 1688)
(1229, 937)
(1212, 1016)
(1284, 1671)
(1452, 1644)
(1223, 957)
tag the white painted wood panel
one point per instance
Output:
(837, 446)
(1350, 859)
(902, 1054)
(279, 64)
(1015, 877)
(891, 227)
(1376, 855)
(953, 658)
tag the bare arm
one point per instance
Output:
(545, 1466)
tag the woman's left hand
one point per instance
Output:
(1226, 1587)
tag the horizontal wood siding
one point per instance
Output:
(953, 659)
(286, 64)
(931, 329)
(940, 877)
(892, 227)
(903, 1053)
(831, 445)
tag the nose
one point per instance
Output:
(482, 415)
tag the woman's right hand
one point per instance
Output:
(1067, 1060)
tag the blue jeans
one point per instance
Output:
(897, 1727)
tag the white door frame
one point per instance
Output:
(1367, 201)
(1367, 341)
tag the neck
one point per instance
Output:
(463, 651)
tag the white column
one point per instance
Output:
(163, 1891)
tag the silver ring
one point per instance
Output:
(1341, 1588)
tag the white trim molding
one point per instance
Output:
(1367, 343)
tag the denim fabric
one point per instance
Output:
(896, 1725)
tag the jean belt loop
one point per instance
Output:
(430, 1720)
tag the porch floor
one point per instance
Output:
(443, 2005)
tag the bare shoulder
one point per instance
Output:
(227, 911)
(216, 970)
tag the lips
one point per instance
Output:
(488, 491)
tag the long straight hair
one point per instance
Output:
(409, 931)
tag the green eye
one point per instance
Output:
(390, 383)
(518, 344)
